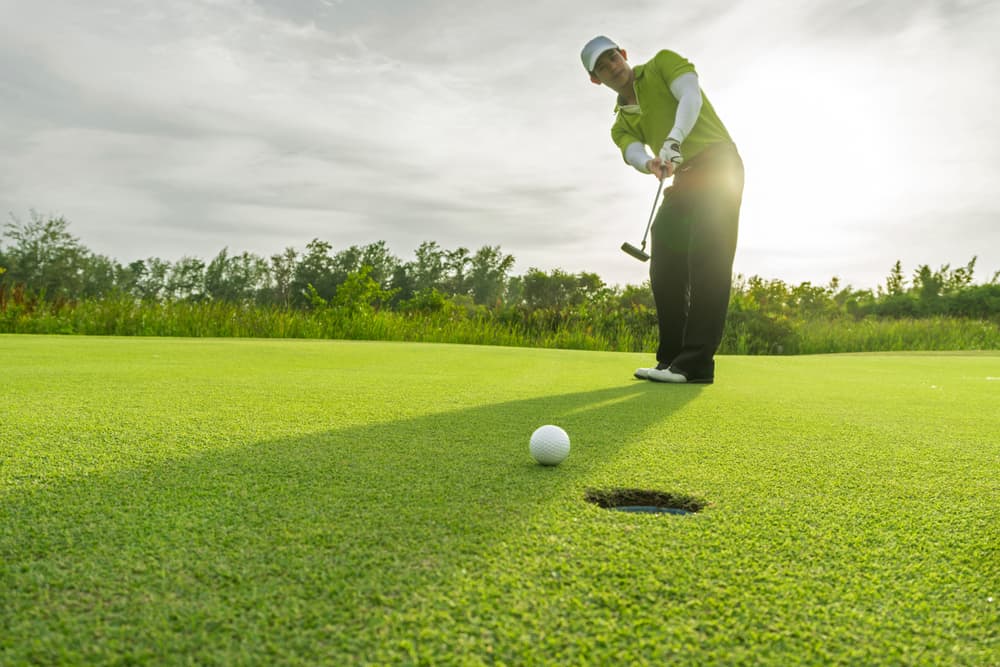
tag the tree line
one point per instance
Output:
(41, 258)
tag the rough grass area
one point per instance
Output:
(174, 501)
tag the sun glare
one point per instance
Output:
(825, 150)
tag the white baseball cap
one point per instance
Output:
(593, 50)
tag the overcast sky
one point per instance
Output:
(178, 128)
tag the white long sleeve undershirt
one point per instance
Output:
(637, 155)
(688, 93)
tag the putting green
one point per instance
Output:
(299, 502)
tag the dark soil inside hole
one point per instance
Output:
(612, 498)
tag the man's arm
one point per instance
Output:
(688, 93)
(637, 156)
(686, 90)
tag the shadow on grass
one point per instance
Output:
(293, 549)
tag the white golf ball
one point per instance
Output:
(549, 445)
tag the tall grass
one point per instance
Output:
(875, 335)
(126, 317)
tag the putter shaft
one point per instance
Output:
(640, 253)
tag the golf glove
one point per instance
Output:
(671, 152)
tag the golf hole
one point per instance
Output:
(644, 501)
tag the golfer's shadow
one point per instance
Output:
(332, 507)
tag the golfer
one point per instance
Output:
(661, 107)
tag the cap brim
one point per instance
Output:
(593, 60)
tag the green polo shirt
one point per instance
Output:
(654, 119)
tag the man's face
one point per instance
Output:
(613, 70)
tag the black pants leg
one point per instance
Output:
(693, 244)
(668, 276)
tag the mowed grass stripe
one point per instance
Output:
(237, 501)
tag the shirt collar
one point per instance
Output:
(630, 108)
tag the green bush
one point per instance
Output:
(753, 332)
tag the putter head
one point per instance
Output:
(635, 252)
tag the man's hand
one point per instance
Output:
(669, 158)
(659, 168)
(671, 152)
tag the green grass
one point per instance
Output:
(822, 336)
(620, 330)
(177, 501)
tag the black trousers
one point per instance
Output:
(693, 243)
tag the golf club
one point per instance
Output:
(640, 253)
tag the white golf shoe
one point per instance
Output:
(644, 373)
(666, 375)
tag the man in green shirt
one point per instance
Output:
(660, 106)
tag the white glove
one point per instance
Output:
(671, 152)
